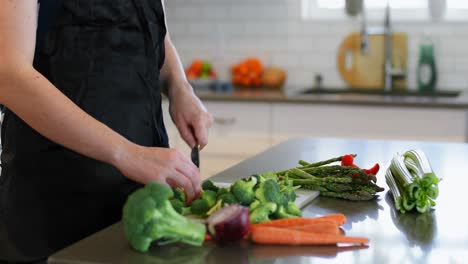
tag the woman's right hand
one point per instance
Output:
(165, 165)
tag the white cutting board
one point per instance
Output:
(303, 196)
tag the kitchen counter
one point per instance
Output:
(440, 236)
(458, 102)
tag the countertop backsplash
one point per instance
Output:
(226, 32)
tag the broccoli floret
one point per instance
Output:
(148, 216)
(222, 191)
(202, 205)
(199, 207)
(282, 213)
(243, 190)
(228, 198)
(254, 205)
(292, 208)
(269, 191)
(262, 212)
(180, 207)
(179, 194)
(210, 197)
(209, 185)
(269, 175)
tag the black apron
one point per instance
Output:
(105, 55)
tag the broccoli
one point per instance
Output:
(254, 205)
(179, 194)
(243, 190)
(269, 175)
(222, 191)
(180, 207)
(269, 191)
(262, 212)
(209, 185)
(201, 206)
(210, 197)
(291, 208)
(283, 213)
(228, 198)
(149, 216)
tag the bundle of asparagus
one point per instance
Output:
(346, 181)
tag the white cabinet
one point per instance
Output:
(368, 122)
(239, 131)
(243, 129)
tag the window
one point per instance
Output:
(403, 10)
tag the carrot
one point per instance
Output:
(339, 219)
(323, 227)
(283, 236)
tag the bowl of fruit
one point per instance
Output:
(201, 74)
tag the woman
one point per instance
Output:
(83, 126)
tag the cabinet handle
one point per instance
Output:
(224, 120)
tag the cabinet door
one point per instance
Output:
(368, 122)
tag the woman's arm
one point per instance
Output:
(41, 105)
(187, 111)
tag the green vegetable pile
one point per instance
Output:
(346, 182)
(267, 197)
(413, 183)
(149, 216)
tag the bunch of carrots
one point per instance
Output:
(324, 230)
(248, 72)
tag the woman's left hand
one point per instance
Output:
(190, 116)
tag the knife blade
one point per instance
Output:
(195, 155)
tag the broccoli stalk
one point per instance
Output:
(148, 216)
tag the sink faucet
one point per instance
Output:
(390, 72)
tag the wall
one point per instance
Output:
(226, 31)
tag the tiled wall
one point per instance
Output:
(226, 31)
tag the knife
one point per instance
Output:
(195, 155)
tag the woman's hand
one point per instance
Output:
(190, 116)
(165, 165)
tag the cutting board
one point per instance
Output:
(366, 71)
(303, 196)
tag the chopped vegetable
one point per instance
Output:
(148, 216)
(412, 182)
(209, 185)
(283, 236)
(231, 223)
(243, 190)
(262, 212)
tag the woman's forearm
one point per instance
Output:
(173, 71)
(42, 106)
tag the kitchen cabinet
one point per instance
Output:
(243, 129)
(239, 131)
(368, 122)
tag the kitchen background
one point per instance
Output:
(304, 42)
(225, 32)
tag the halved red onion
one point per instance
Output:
(229, 224)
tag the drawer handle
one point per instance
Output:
(224, 120)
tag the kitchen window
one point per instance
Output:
(401, 10)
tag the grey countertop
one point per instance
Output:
(458, 102)
(440, 236)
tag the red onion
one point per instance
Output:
(229, 224)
